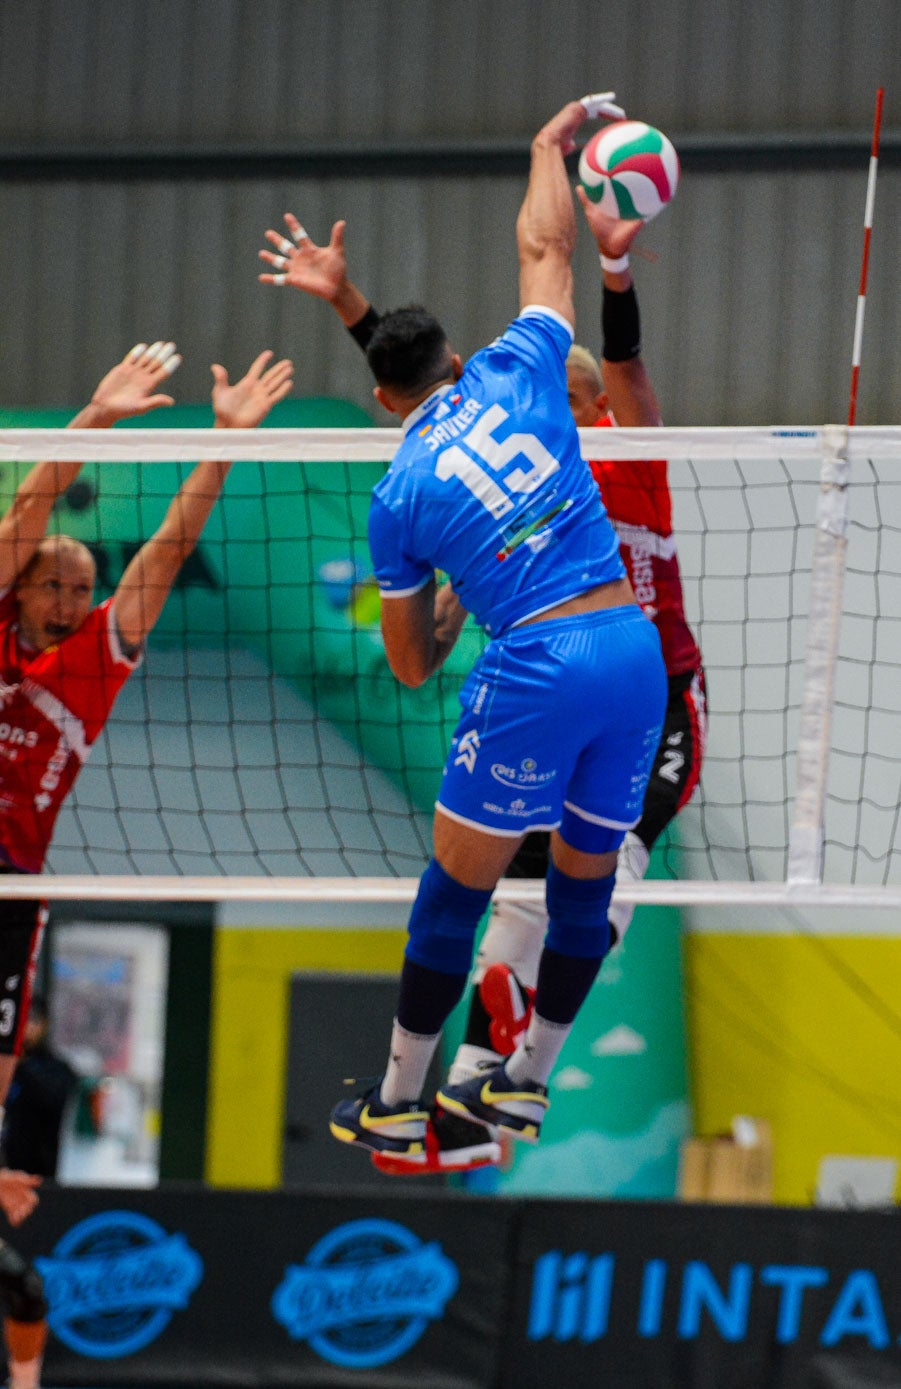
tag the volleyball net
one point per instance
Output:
(264, 749)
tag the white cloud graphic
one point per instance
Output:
(619, 1041)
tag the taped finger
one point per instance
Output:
(165, 353)
(280, 262)
(278, 279)
(602, 104)
(172, 364)
(154, 351)
(137, 351)
(300, 233)
(285, 246)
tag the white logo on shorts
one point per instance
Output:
(468, 750)
(525, 777)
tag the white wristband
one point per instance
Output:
(617, 265)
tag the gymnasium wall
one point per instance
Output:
(147, 147)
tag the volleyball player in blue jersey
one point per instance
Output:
(561, 715)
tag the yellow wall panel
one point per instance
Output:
(803, 1030)
(252, 969)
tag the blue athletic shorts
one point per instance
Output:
(561, 721)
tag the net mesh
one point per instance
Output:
(744, 530)
(265, 735)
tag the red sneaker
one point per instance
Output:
(508, 1004)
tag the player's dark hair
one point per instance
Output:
(409, 351)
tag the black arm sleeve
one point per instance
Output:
(363, 329)
(620, 325)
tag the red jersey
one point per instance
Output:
(637, 497)
(53, 705)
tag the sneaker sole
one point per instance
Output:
(415, 1154)
(455, 1160)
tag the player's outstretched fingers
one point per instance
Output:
(258, 365)
(277, 262)
(160, 359)
(279, 379)
(298, 232)
(281, 243)
(166, 360)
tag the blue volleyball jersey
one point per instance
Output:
(489, 485)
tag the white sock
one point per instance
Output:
(537, 1053)
(469, 1060)
(631, 866)
(408, 1065)
(514, 937)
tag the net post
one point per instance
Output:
(806, 841)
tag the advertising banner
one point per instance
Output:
(700, 1297)
(187, 1286)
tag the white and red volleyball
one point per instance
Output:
(630, 170)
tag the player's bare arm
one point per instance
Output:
(18, 1194)
(420, 631)
(132, 387)
(317, 270)
(546, 226)
(147, 582)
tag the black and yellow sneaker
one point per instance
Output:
(398, 1129)
(491, 1097)
(452, 1144)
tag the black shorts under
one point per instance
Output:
(21, 930)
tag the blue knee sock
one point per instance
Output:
(438, 956)
(578, 938)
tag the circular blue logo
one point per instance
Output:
(113, 1282)
(365, 1293)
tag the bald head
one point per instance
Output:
(55, 591)
(56, 550)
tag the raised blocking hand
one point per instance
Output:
(247, 403)
(318, 270)
(614, 235)
(132, 386)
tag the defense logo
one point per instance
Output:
(365, 1293)
(113, 1282)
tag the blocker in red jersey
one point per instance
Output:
(62, 664)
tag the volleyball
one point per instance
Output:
(630, 170)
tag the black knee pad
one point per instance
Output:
(21, 1287)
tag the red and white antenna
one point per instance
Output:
(867, 229)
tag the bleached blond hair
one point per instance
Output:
(581, 359)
